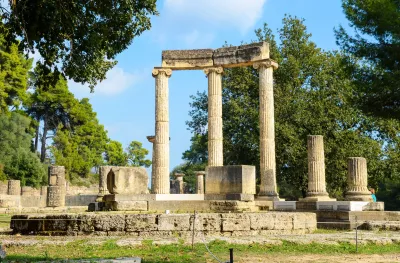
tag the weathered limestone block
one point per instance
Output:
(86, 222)
(206, 222)
(137, 223)
(235, 222)
(55, 196)
(43, 190)
(10, 201)
(57, 175)
(283, 221)
(200, 181)
(104, 222)
(174, 222)
(103, 172)
(127, 205)
(232, 179)
(231, 206)
(225, 56)
(187, 59)
(127, 180)
(14, 187)
(357, 180)
(63, 222)
(252, 52)
(26, 191)
(264, 221)
(3, 188)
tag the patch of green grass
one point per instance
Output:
(5, 220)
(180, 253)
(329, 231)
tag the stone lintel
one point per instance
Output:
(187, 58)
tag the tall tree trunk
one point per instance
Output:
(44, 135)
(36, 137)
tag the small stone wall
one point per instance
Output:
(219, 224)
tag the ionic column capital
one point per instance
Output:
(218, 70)
(157, 71)
(267, 64)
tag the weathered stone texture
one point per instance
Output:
(10, 201)
(55, 196)
(103, 172)
(3, 188)
(109, 222)
(179, 179)
(14, 187)
(57, 175)
(187, 58)
(357, 180)
(174, 222)
(127, 205)
(231, 179)
(200, 181)
(264, 221)
(137, 223)
(235, 222)
(43, 190)
(127, 180)
(206, 222)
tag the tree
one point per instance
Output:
(13, 75)
(115, 155)
(137, 155)
(52, 105)
(16, 159)
(79, 39)
(374, 54)
(313, 95)
(80, 148)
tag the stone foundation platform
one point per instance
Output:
(114, 224)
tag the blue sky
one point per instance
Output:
(124, 102)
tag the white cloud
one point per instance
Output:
(117, 81)
(240, 14)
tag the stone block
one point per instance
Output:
(374, 206)
(129, 197)
(96, 206)
(137, 223)
(61, 223)
(206, 222)
(174, 222)
(55, 196)
(181, 206)
(127, 205)
(56, 176)
(112, 222)
(233, 179)
(10, 201)
(238, 197)
(231, 206)
(33, 201)
(14, 187)
(3, 188)
(252, 52)
(179, 197)
(225, 56)
(235, 222)
(127, 180)
(187, 59)
(285, 205)
(262, 221)
(283, 221)
(86, 223)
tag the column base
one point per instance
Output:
(358, 196)
(268, 198)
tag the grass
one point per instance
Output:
(180, 253)
(5, 220)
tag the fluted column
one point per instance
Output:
(160, 170)
(152, 139)
(179, 179)
(268, 187)
(199, 181)
(215, 138)
(103, 190)
(357, 180)
(316, 169)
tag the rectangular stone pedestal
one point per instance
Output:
(234, 179)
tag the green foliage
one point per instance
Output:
(373, 53)
(78, 38)
(13, 75)
(15, 155)
(80, 148)
(389, 192)
(189, 170)
(115, 155)
(136, 155)
(313, 95)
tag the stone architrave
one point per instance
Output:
(316, 170)
(179, 179)
(55, 196)
(357, 180)
(14, 187)
(199, 181)
(215, 137)
(103, 172)
(160, 169)
(127, 180)
(268, 186)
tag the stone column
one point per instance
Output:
(357, 180)
(152, 139)
(200, 181)
(179, 179)
(316, 169)
(160, 170)
(14, 187)
(268, 187)
(215, 138)
(57, 186)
